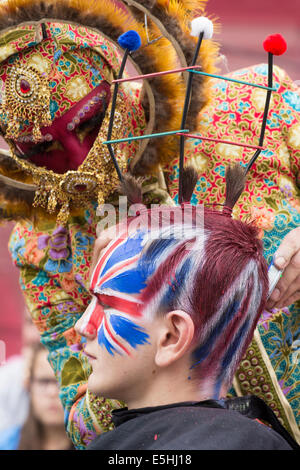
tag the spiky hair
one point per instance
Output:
(215, 272)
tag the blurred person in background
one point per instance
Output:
(14, 400)
(43, 428)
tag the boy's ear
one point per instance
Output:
(175, 338)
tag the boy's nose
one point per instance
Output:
(87, 330)
(89, 322)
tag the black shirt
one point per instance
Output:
(206, 425)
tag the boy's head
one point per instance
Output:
(176, 301)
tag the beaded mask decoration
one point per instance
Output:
(27, 97)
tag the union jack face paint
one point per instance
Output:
(221, 283)
(115, 309)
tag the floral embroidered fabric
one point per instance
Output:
(54, 263)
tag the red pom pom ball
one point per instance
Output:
(275, 44)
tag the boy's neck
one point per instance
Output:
(168, 391)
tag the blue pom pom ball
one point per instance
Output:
(130, 40)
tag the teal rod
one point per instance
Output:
(141, 137)
(233, 80)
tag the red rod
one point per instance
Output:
(156, 74)
(199, 137)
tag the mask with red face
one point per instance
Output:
(56, 92)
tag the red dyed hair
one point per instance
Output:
(222, 282)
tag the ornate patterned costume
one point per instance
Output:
(54, 259)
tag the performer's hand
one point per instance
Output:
(287, 257)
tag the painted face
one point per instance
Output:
(120, 325)
(116, 309)
(118, 337)
(118, 284)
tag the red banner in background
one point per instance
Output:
(246, 23)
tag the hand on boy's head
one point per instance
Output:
(287, 257)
